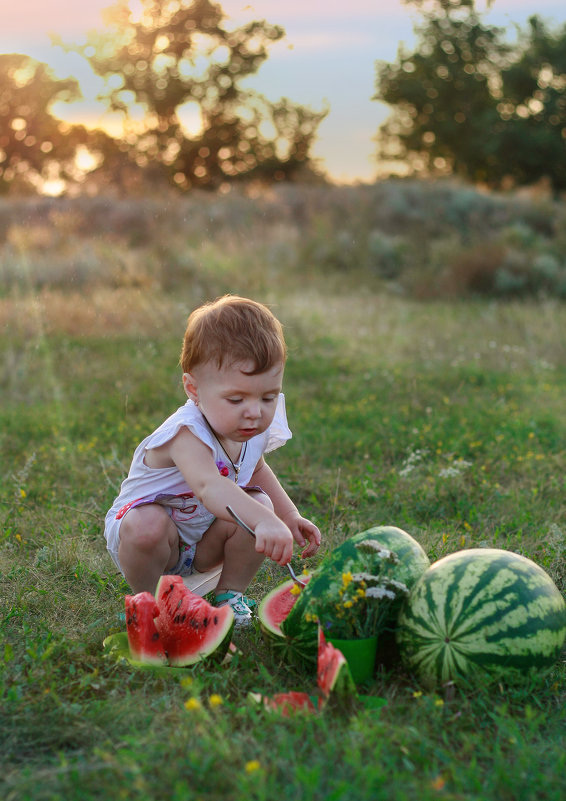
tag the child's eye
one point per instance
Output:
(269, 399)
(234, 400)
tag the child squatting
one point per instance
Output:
(170, 516)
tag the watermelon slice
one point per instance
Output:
(333, 674)
(190, 628)
(277, 604)
(144, 640)
(289, 703)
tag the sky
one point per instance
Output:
(326, 60)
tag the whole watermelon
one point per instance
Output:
(300, 626)
(478, 612)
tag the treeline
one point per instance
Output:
(465, 102)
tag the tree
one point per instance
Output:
(443, 95)
(466, 102)
(178, 56)
(35, 147)
(533, 107)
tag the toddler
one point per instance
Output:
(170, 516)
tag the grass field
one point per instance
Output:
(445, 419)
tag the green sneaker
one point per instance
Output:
(238, 602)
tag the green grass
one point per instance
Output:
(446, 420)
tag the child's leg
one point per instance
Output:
(230, 545)
(149, 546)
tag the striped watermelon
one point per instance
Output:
(478, 612)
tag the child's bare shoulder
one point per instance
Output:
(166, 455)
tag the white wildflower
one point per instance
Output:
(380, 593)
(412, 461)
(398, 585)
(454, 470)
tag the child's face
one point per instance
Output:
(237, 406)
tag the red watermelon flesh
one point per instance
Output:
(189, 626)
(144, 639)
(333, 674)
(277, 604)
(291, 702)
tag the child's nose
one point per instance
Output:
(253, 411)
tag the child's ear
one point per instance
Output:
(190, 387)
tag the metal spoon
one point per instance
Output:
(241, 523)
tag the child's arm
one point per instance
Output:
(195, 461)
(286, 510)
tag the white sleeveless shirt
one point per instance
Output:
(167, 486)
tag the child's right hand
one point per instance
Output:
(274, 539)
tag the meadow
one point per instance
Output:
(432, 400)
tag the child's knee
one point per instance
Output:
(147, 527)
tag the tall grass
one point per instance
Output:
(446, 419)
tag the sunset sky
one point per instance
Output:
(326, 59)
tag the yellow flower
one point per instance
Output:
(438, 783)
(295, 589)
(192, 704)
(215, 700)
(346, 578)
(439, 702)
(348, 604)
(361, 593)
(417, 694)
(252, 766)
(23, 493)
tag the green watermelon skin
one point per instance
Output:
(478, 612)
(413, 563)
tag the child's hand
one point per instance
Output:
(275, 541)
(302, 530)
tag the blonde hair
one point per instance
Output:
(232, 329)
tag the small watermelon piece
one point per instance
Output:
(277, 604)
(333, 674)
(478, 612)
(190, 628)
(289, 703)
(144, 639)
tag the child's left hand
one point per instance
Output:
(303, 530)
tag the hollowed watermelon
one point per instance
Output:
(480, 612)
(300, 626)
(190, 628)
(144, 640)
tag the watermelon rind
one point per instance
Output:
(300, 626)
(190, 628)
(481, 614)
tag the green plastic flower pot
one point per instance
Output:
(360, 655)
